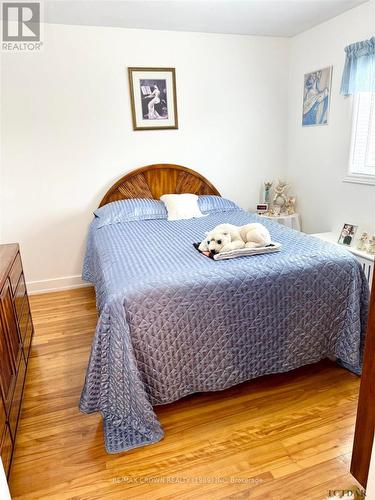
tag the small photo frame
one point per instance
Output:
(153, 98)
(347, 234)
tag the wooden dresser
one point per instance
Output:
(16, 331)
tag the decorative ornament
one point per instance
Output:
(280, 197)
(267, 189)
(275, 211)
(290, 205)
(371, 246)
(362, 242)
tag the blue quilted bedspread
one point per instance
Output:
(173, 322)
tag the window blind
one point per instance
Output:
(363, 139)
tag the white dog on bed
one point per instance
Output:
(227, 237)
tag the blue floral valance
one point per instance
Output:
(359, 70)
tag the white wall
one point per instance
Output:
(318, 156)
(67, 131)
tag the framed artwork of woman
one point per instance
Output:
(153, 98)
(316, 96)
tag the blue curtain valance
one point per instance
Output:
(359, 70)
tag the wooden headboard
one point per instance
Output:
(155, 180)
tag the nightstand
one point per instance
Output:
(367, 260)
(292, 221)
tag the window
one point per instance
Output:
(362, 151)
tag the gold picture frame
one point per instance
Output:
(153, 98)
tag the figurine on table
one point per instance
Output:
(371, 246)
(267, 189)
(290, 205)
(280, 197)
(363, 242)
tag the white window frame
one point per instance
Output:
(358, 176)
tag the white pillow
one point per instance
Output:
(181, 206)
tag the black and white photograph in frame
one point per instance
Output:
(153, 98)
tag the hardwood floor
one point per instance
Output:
(281, 437)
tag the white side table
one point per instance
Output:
(291, 221)
(367, 260)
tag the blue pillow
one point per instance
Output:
(130, 210)
(214, 204)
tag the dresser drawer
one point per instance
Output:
(15, 272)
(3, 417)
(20, 296)
(6, 450)
(28, 336)
(24, 319)
(10, 346)
(7, 372)
(17, 398)
(10, 322)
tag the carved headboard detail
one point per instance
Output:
(155, 180)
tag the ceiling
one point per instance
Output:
(245, 17)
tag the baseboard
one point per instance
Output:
(55, 284)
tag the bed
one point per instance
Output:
(173, 322)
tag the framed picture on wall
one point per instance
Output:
(153, 98)
(316, 97)
(347, 234)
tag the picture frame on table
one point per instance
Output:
(347, 234)
(153, 98)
